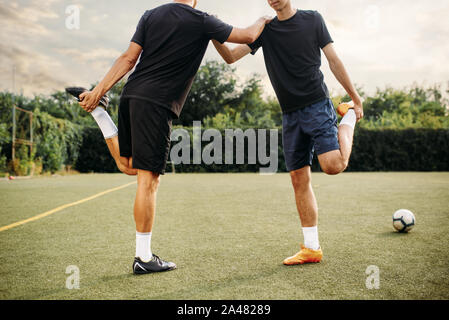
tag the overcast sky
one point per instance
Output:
(394, 42)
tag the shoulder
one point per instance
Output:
(160, 8)
(179, 9)
(310, 14)
(273, 22)
(206, 14)
(210, 18)
(144, 19)
(148, 13)
(186, 8)
(270, 27)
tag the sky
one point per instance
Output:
(381, 42)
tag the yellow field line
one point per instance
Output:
(46, 214)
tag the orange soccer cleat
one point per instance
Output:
(306, 255)
(344, 107)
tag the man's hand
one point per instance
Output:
(250, 34)
(267, 19)
(89, 100)
(358, 108)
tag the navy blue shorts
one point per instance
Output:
(313, 128)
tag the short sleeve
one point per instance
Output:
(324, 37)
(216, 29)
(139, 35)
(256, 45)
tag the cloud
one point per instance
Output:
(28, 20)
(381, 42)
(23, 28)
(35, 73)
(92, 55)
(99, 18)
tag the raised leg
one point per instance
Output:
(335, 162)
(123, 164)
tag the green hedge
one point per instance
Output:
(57, 141)
(374, 150)
(94, 154)
(401, 150)
(56, 144)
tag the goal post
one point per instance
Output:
(26, 134)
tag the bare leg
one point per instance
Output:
(124, 164)
(145, 204)
(308, 213)
(335, 162)
(305, 197)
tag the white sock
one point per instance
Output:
(311, 238)
(104, 121)
(349, 119)
(143, 246)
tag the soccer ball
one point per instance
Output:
(403, 220)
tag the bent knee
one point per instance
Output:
(334, 168)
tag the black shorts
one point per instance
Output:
(313, 128)
(144, 134)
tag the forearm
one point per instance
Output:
(248, 35)
(224, 51)
(256, 29)
(231, 55)
(340, 73)
(120, 68)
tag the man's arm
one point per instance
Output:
(124, 64)
(231, 55)
(244, 37)
(340, 73)
(250, 34)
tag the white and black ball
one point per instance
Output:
(403, 220)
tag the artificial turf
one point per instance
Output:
(228, 234)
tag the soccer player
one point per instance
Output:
(171, 41)
(291, 45)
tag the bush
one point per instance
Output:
(400, 150)
(94, 155)
(374, 150)
(4, 140)
(58, 141)
(2, 163)
(66, 135)
(21, 167)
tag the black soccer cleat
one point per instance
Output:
(156, 264)
(76, 92)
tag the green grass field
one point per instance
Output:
(228, 234)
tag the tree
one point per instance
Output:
(213, 88)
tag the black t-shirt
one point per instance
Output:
(293, 58)
(174, 38)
